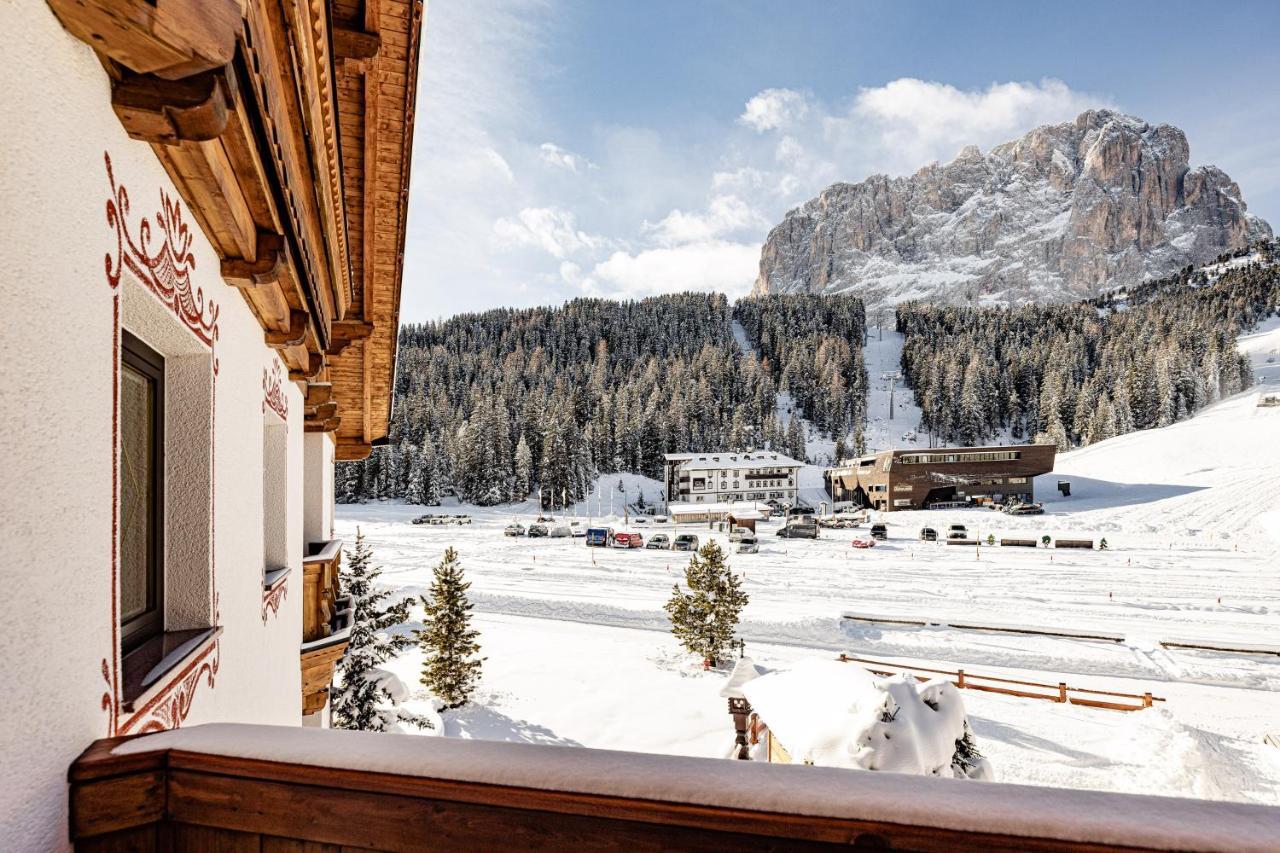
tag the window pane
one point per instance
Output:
(137, 401)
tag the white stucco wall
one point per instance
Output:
(56, 371)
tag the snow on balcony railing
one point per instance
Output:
(558, 791)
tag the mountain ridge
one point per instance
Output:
(1061, 213)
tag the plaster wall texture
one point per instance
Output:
(57, 365)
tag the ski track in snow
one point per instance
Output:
(579, 651)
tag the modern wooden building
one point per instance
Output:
(917, 479)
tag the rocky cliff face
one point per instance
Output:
(1062, 213)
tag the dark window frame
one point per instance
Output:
(142, 359)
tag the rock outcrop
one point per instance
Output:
(1063, 213)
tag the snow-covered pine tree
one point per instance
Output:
(364, 697)
(795, 439)
(450, 667)
(524, 470)
(704, 618)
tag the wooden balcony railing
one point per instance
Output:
(326, 622)
(248, 787)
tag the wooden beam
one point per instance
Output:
(293, 336)
(266, 269)
(315, 364)
(318, 392)
(168, 38)
(322, 426)
(355, 44)
(351, 451)
(192, 109)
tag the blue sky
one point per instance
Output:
(624, 149)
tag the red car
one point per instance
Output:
(863, 543)
(628, 540)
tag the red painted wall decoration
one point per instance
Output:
(160, 259)
(273, 397)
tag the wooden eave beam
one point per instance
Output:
(171, 39)
(355, 44)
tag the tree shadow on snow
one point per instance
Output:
(480, 722)
(986, 728)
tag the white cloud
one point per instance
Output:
(910, 122)
(550, 229)
(562, 159)
(774, 108)
(725, 215)
(716, 265)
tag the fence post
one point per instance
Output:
(844, 658)
(1146, 700)
(1062, 691)
(960, 682)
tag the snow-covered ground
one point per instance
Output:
(579, 654)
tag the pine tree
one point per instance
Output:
(704, 618)
(524, 470)
(795, 439)
(450, 668)
(362, 698)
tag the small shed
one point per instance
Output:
(746, 518)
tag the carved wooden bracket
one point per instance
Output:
(344, 332)
(193, 109)
(318, 393)
(329, 425)
(351, 451)
(291, 337)
(170, 39)
(271, 263)
(311, 370)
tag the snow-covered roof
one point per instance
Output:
(814, 707)
(733, 461)
(739, 509)
(743, 671)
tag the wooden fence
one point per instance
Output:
(1059, 692)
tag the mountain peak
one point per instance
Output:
(1063, 212)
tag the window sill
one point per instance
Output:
(145, 667)
(272, 578)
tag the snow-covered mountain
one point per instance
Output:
(1061, 213)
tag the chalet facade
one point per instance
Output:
(204, 226)
(756, 475)
(915, 479)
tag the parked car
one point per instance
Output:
(928, 534)
(514, 529)
(957, 531)
(685, 542)
(1024, 509)
(749, 544)
(659, 519)
(800, 528)
(560, 531)
(658, 541)
(627, 539)
(576, 529)
(736, 534)
(598, 537)
(536, 530)
(863, 542)
(640, 520)
(802, 510)
(879, 531)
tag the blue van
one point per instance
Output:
(599, 537)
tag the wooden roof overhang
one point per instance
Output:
(286, 126)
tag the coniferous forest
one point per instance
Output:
(492, 407)
(495, 406)
(1080, 373)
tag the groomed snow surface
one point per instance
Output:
(579, 654)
